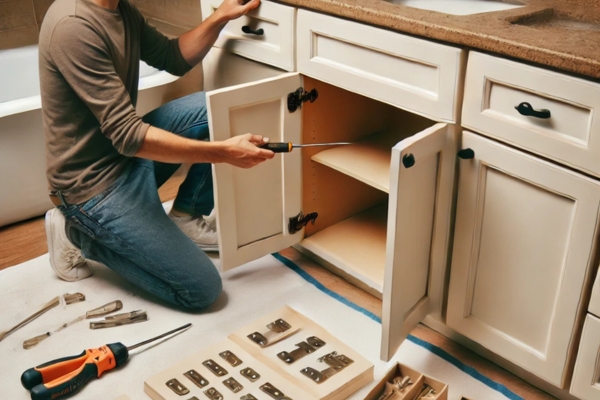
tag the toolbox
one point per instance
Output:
(283, 355)
(420, 386)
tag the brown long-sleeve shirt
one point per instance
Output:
(89, 71)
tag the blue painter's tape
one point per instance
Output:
(419, 342)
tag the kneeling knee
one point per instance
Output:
(202, 296)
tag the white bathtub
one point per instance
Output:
(23, 188)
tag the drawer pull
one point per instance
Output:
(466, 154)
(527, 110)
(250, 31)
(408, 160)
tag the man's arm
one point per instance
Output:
(195, 44)
(240, 151)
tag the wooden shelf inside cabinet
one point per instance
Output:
(367, 160)
(355, 245)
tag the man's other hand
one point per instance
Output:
(232, 9)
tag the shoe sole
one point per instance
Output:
(50, 237)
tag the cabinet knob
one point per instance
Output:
(408, 160)
(250, 31)
(466, 154)
(526, 109)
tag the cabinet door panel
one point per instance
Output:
(254, 205)
(418, 232)
(524, 236)
(586, 376)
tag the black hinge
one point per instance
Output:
(300, 96)
(299, 221)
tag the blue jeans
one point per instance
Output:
(127, 229)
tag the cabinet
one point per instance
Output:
(383, 203)
(525, 233)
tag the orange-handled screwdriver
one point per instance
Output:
(65, 376)
(286, 147)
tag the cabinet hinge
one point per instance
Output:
(295, 99)
(299, 221)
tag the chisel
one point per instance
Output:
(286, 147)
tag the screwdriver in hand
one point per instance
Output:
(65, 376)
(286, 147)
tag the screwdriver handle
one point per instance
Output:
(65, 376)
(277, 147)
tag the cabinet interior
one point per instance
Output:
(348, 186)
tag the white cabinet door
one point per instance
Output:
(523, 249)
(254, 205)
(419, 216)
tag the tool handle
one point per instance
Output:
(277, 147)
(52, 370)
(65, 376)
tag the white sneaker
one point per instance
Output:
(66, 259)
(202, 230)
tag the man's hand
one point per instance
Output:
(243, 151)
(195, 44)
(232, 9)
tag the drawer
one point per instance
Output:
(594, 306)
(410, 73)
(586, 376)
(562, 127)
(265, 34)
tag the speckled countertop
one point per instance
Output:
(560, 34)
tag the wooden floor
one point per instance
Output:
(27, 240)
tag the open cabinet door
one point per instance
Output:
(419, 216)
(254, 205)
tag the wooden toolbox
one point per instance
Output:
(416, 386)
(283, 355)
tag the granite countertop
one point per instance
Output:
(560, 34)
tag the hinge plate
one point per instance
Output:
(295, 99)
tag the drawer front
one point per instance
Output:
(562, 127)
(586, 376)
(413, 74)
(265, 34)
(594, 306)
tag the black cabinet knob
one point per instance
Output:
(408, 160)
(526, 109)
(466, 154)
(250, 31)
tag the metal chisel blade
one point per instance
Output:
(321, 144)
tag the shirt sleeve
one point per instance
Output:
(83, 59)
(160, 51)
